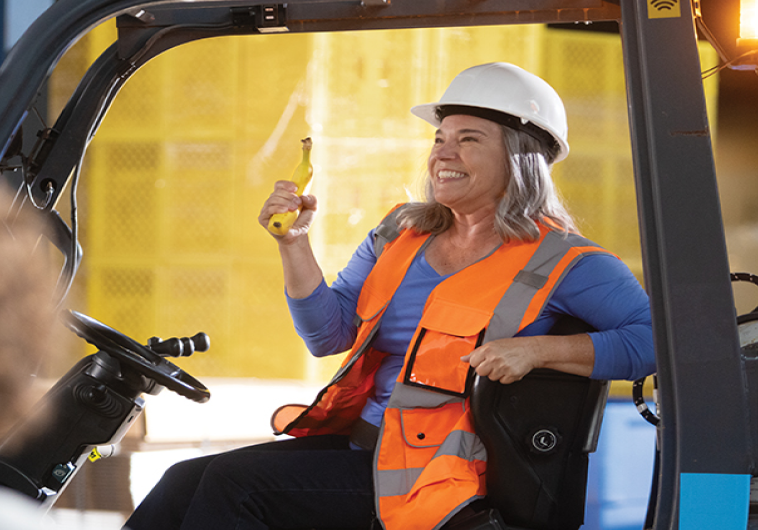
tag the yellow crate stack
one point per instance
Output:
(597, 179)
(174, 246)
(271, 123)
(191, 148)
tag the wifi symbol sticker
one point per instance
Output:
(663, 9)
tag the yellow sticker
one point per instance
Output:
(663, 9)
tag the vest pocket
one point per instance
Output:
(447, 332)
(435, 363)
(422, 429)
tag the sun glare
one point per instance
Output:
(749, 19)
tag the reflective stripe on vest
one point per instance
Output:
(460, 444)
(552, 260)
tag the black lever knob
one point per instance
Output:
(170, 347)
(201, 341)
(183, 347)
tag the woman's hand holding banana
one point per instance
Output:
(288, 212)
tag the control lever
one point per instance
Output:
(179, 347)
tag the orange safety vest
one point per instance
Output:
(429, 463)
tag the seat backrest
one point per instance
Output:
(538, 433)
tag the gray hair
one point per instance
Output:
(530, 197)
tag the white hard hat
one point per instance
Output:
(510, 92)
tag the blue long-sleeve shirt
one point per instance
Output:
(600, 290)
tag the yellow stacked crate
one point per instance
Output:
(597, 179)
(271, 103)
(174, 246)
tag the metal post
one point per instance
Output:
(705, 452)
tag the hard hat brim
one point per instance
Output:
(428, 113)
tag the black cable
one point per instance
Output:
(743, 277)
(639, 401)
(66, 278)
(723, 57)
(729, 64)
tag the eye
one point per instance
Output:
(469, 139)
(438, 140)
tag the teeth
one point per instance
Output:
(448, 174)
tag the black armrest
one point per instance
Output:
(538, 433)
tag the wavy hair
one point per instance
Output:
(530, 196)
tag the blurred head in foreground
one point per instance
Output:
(27, 317)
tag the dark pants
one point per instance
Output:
(313, 482)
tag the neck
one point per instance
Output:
(473, 229)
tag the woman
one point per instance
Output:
(470, 280)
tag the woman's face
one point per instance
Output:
(468, 164)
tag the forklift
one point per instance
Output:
(708, 441)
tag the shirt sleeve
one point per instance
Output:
(325, 318)
(602, 291)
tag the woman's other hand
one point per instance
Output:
(509, 360)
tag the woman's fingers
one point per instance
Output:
(504, 360)
(281, 200)
(284, 199)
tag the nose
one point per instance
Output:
(444, 151)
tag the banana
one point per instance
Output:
(280, 223)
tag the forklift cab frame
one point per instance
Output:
(684, 251)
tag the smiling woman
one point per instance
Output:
(468, 163)
(437, 294)
(468, 175)
(534, 131)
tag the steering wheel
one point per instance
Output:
(141, 358)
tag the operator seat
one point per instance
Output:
(538, 433)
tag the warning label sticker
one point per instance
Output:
(663, 9)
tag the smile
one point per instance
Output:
(449, 174)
